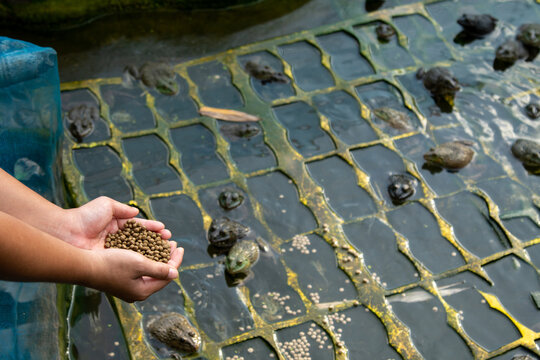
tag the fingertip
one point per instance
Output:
(173, 273)
(176, 257)
(165, 234)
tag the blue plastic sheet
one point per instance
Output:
(30, 130)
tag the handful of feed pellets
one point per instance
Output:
(136, 237)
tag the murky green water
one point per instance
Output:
(446, 275)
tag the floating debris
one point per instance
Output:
(227, 114)
(301, 243)
(25, 168)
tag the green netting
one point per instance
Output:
(448, 274)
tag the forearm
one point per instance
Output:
(29, 254)
(26, 205)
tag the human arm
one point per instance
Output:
(85, 227)
(29, 254)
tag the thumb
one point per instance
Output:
(123, 211)
(158, 270)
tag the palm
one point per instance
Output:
(94, 220)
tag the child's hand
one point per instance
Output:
(89, 224)
(131, 276)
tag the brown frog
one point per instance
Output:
(529, 35)
(452, 155)
(395, 118)
(510, 51)
(402, 187)
(223, 232)
(373, 5)
(175, 331)
(155, 75)
(81, 121)
(533, 111)
(522, 357)
(384, 32)
(477, 25)
(230, 199)
(528, 152)
(439, 81)
(240, 130)
(265, 73)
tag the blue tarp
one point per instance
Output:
(30, 129)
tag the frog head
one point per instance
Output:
(529, 34)
(448, 85)
(467, 20)
(237, 263)
(433, 157)
(167, 86)
(508, 52)
(186, 338)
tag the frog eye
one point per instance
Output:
(191, 333)
(238, 262)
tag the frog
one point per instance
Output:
(230, 199)
(265, 73)
(440, 82)
(384, 32)
(269, 308)
(155, 75)
(453, 155)
(223, 232)
(174, 330)
(476, 25)
(522, 357)
(528, 152)
(533, 111)
(529, 35)
(395, 118)
(236, 131)
(241, 257)
(81, 121)
(373, 5)
(402, 187)
(511, 51)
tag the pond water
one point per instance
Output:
(345, 272)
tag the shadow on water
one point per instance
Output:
(173, 36)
